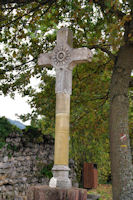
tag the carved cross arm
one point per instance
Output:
(80, 55)
(45, 59)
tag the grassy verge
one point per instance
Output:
(104, 190)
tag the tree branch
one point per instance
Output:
(17, 66)
(5, 17)
(112, 56)
(33, 10)
(112, 10)
(19, 2)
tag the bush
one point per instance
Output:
(33, 134)
(6, 129)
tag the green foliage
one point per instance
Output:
(6, 129)
(32, 134)
(44, 170)
(12, 147)
(47, 171)
(89, 118)
(43, 104)
(29, 29)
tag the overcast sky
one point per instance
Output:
(10, 107)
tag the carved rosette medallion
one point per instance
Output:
(61, 56)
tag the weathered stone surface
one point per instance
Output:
(22, 169)
(61, 175)
(62, 103)
(47, 193)
(64, 58)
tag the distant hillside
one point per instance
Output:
(17, 123)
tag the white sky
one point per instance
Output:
(9, 107)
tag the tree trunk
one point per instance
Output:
(120, 152)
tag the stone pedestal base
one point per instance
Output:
(60, 177)
(47, 193)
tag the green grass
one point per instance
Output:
(104, 190)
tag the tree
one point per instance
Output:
(106, 26)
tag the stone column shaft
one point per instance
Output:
(61, 156)
(62, 129)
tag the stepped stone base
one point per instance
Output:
(47, 193)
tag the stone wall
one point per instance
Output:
(22, 164)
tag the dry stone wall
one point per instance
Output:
(22, 164)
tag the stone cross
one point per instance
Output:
(63, 58)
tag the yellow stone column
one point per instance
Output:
(62, 129)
